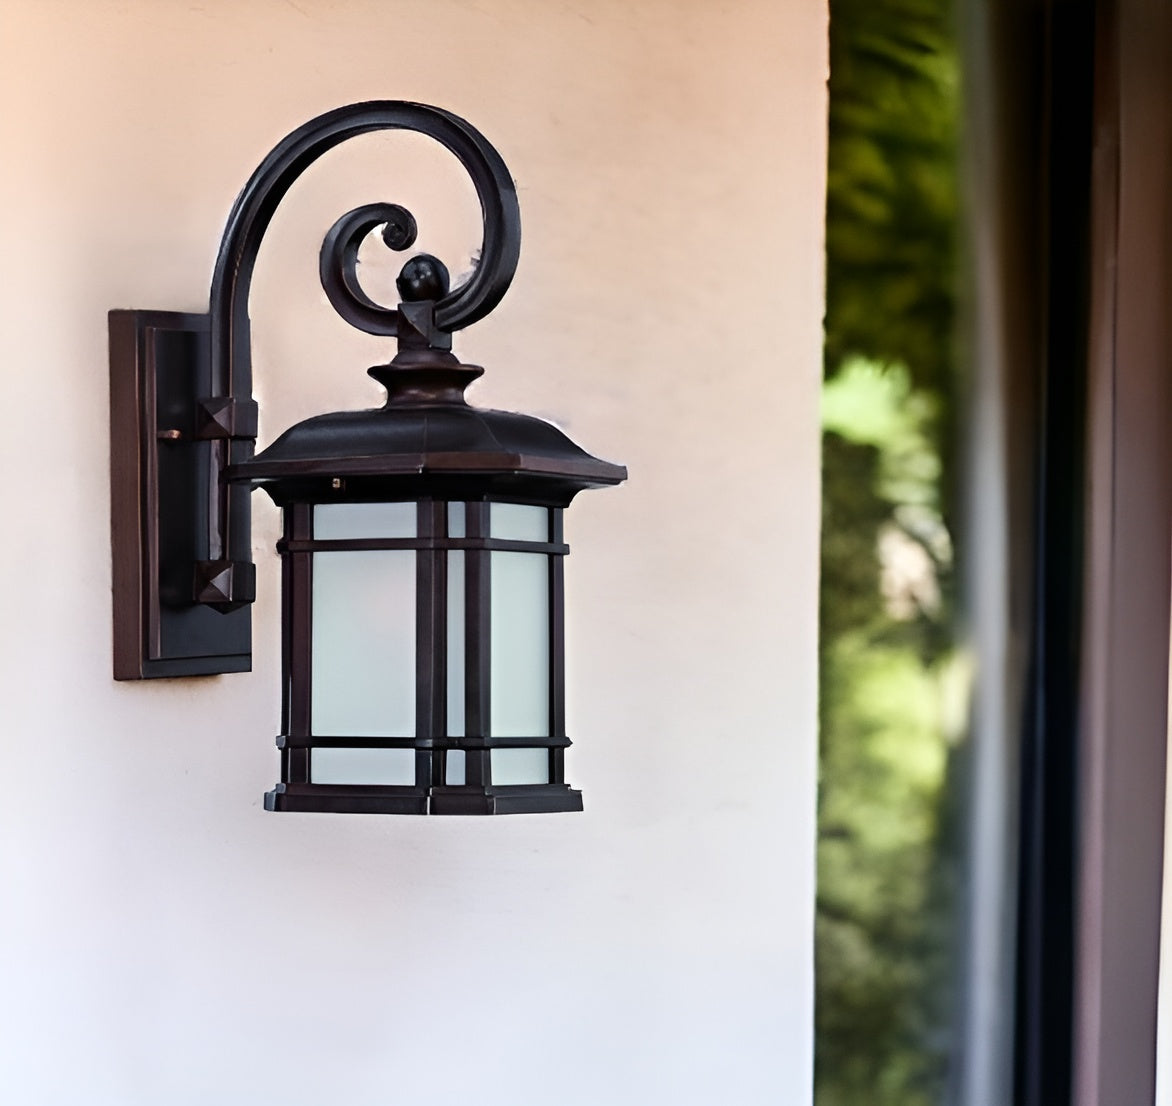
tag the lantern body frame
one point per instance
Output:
(429, 448)
(433, 744)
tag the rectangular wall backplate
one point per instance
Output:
(159, 471)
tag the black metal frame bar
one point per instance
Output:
(427, 542)
(431, 698)
(1095, 735)
(297, 649)
(439, 741)
(557, 655)
(1050, 748)
(477, 644)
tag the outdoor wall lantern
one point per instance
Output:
(422, 621)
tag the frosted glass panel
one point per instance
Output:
(456, 643)
(456, 520)
(365, 520)
(518, 522)
(355, 766)
(520, 644)
(455, 771)
(520, 766)
(364, 643)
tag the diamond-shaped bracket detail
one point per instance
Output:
(225, 417)
(225, 585)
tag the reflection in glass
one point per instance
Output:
(893, 672)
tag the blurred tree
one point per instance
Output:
(892, 200)
(888, 665)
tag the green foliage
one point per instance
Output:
(892, 198)
(891, 678)
(874, 948)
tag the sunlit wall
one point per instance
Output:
(162, 939)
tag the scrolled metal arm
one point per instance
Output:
(338, 263)
(231, 356)
(259, 198)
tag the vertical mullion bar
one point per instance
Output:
(430, 687)
(297, 646)
(557, 651)
(477, 646)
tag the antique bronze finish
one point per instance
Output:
(183, 426)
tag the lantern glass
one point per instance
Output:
(397, 595)
(514, 766)
(456, 767)
(332, 521)
(363, 766)
(518, 522)
(456, 638)
(520, 644)
(457, 524)
(363, 681)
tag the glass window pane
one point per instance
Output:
(457, 527)
(518, 522)
(454, 776)
(365, 520)
(358, 766)
(896, 1022)
(520, 766)
(456, 643)
(520, 644)
(363, 681)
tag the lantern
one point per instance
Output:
(423, 551)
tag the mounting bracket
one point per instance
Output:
(165, 426)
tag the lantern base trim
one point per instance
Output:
(337, 799)
(520, 799)
(340, 799)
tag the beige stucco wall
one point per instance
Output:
(162, 939)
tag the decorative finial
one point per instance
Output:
(424, 277)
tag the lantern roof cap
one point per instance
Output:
(425, 440)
